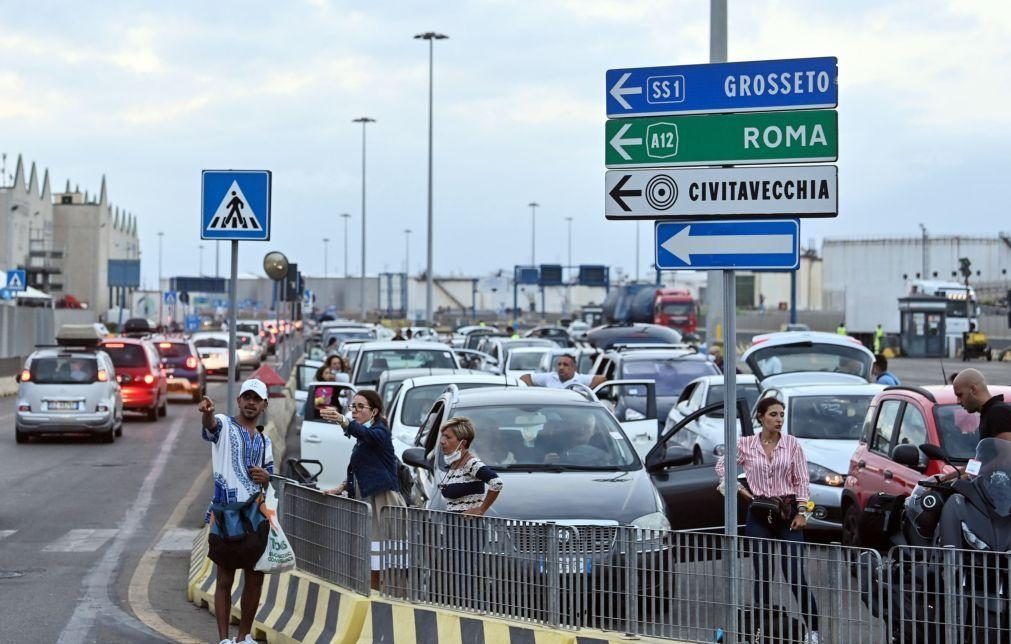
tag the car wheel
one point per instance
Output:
(20, 437)
(163, 410)
(152, 414)
(851, 526)
(119, 428)
(108, 437)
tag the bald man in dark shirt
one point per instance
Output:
(973, 395)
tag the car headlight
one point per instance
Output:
(720, 450)
(824, 476)
(652, 521)
(631, 414)
(972, 539)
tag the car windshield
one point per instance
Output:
(174, 349)
(747, 391)
(959, 431)
(526, 360)
(833, 417)
(677, 308)
(248, 328)
(418, 400)
(550, 437)
(374, 363)
(126, 355)
(803, 357)
(355, 334)
(671, 374)
(64, 370)
(211, 343)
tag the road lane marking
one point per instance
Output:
(177, 540)
(137, 594)
(6, 533)
(96, 596)
(82, 540)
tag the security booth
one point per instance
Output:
(923, 320)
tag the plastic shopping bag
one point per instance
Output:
(278, 555)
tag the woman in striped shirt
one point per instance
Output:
(776, 468)
(463, 487)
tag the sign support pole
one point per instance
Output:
(233, 363)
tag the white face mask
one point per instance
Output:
(368, 423)
(453, 457)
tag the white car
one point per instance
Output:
(812, 356)
(248, 350)
(322, 441)
(305, 373)
(376, 357)
(704, 436)
(460, 335)
(415, 396)
(526, 360)
(827, 420)
(212, 346)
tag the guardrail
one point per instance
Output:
(330, 535)
(681, 585)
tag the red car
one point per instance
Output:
(140, 375)
(887, 464)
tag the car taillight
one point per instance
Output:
(26, 376)
(103, 375)
(24, 407)
(148, 379)
(191, 363)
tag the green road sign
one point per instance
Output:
(722, 139)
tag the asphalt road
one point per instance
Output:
(95, 539)
(925, 371)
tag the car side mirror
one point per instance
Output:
(415, 456)
(907, 456)
(672, 456)
(17, 377)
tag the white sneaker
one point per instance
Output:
(812, 638)
(249, 640)
(227, 641)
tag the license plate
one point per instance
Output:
(571, 565)
(62, 405)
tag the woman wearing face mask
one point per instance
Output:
(463, 487)
(372, 472)
(776, 470)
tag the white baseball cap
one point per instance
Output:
(256, 386)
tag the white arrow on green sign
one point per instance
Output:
(722, 139)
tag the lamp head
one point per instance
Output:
(275, 265)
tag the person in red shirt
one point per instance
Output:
(776, 470)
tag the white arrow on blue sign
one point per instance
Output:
(753, 86)
(728, 245)
(235, 205)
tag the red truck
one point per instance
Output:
(676, 308)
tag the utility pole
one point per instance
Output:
(533, 232)
(364, 120)
(326, 240)
(345, 216)
(161, 294)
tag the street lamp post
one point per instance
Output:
(200, 260)
(161, 294)
(407, 251)
(533, 232)
(364, 120)
(431, 37)
(326, 240)
(345, 216)
(568, 284)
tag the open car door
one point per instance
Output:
(689, 491)
(633, 403)
(323, 441)
(304, 374)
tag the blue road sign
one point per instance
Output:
(728, 245)
(17, 281)
(170, 297)
(192, 323)
(753, 86)
(235, 205)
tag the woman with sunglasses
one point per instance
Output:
(372, 472)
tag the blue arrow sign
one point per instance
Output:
(728, 245)
(755, 86)
(170, 297)
(17, 281)
(235, 205)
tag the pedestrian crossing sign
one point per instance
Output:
(235, 205)
(16, 281)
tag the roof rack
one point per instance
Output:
(919, 390)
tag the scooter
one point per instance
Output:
(972, 516)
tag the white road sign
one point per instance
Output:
(717, 193)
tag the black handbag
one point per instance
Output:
(775, 508)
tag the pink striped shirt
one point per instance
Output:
(785, 473)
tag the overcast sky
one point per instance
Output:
(151, 93)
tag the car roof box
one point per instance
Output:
(81, 335)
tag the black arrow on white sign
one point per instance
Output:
(617, 193)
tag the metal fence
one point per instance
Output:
(330, 535)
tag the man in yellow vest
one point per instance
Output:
(879, 339)
(841, 329)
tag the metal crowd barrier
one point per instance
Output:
(330, 535)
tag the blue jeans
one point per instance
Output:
(791, 561)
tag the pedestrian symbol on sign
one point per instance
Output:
(230, 216)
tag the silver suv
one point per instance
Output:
(68, 390)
